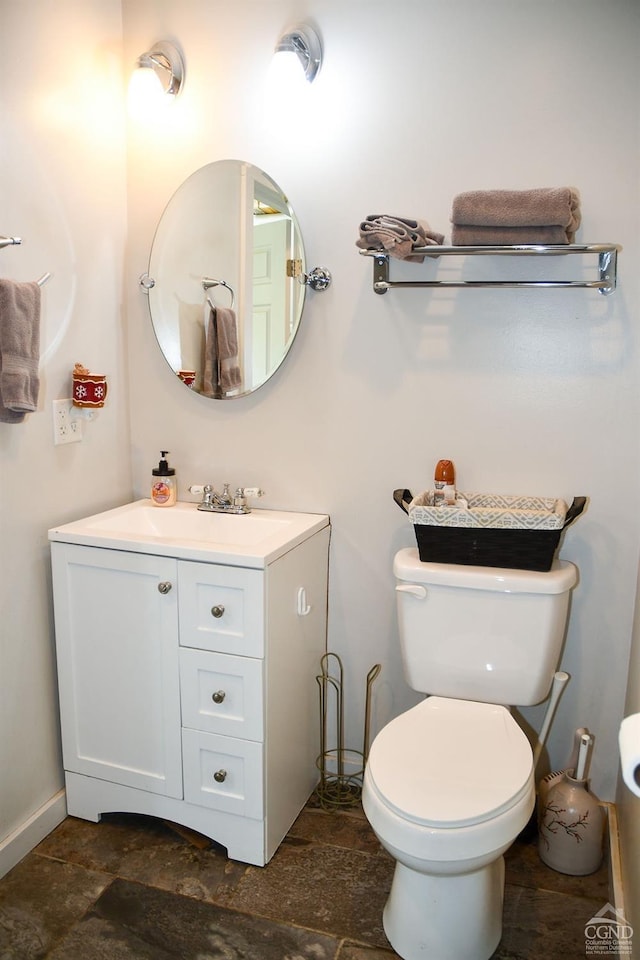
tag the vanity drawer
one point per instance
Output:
(224, 773)
(221, 608)
(221, 693)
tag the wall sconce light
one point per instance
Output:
(162, 67)
(304, 42)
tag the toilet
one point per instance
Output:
(449, 784)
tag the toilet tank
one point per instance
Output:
(481, 633)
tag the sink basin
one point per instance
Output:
(183, 531)
(185, 523)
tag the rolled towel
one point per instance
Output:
(466, 236)
(397, 236)
(540, 207)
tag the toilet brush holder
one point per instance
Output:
(571, 828)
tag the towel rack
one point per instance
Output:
(9, 241)
(605, 284)
(208, 282)
(14, 241)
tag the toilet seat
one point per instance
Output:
(451, 763)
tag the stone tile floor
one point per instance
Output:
(135, 888)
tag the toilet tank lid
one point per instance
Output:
(560, 579)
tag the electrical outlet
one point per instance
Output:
(67, 428)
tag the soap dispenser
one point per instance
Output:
(163, 483)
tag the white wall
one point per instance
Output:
(528, 391)
(61, 190)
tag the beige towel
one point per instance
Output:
(540, 207)
(221, 367)
(397, 236)
(19, 349)
(466, 236)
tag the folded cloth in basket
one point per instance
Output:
(491, 510)
(472, 236)
(539, 207)
(397, 236)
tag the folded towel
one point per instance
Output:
(397, 236)
(469, 236)
(221, 367)
(19, 349)
(540, 207)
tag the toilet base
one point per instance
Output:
(445, 917)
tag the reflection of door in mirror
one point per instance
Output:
(271, 301)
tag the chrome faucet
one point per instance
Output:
(213, 502)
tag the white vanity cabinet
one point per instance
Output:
(187, 686)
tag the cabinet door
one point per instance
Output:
(117, 647)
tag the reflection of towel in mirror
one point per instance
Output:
(221, 368)
(19, 349)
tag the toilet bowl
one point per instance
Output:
(448, 786)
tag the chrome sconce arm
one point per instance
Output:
(305, 43)
(167, 63)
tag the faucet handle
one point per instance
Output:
(252, 492)
(240, 497)
(205, 489)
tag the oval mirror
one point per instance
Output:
(225, 280)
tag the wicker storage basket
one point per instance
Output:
(492, 531)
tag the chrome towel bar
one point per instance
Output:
(605, 284)
(9, 241)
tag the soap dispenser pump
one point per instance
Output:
(163, 483)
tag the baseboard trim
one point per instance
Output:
(29, 834)
(616, 888)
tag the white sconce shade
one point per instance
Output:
(165, 63)
(304, 42)
(157, 80)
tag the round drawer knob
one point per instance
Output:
(218, 696)
(217, 611)
(220, 776)
(164, 587)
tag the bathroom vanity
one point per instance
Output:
(187, 647)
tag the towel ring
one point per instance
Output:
(208, 282)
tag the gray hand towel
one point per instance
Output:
(540, 207)
(19, 349)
